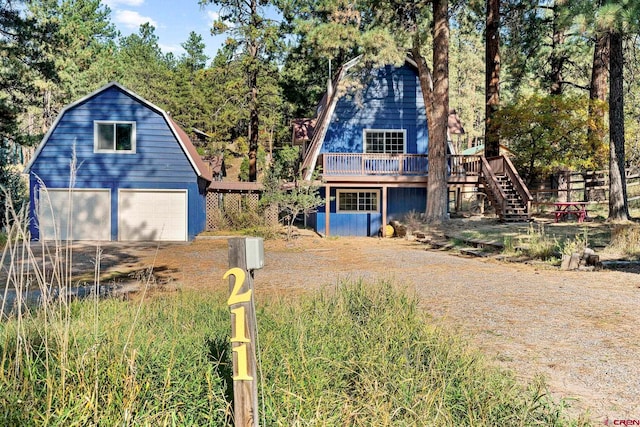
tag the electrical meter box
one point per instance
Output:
(254, 248)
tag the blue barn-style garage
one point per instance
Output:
(113, 166)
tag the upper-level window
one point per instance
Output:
(115, 137)
(384, 141)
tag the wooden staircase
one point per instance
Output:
(515, 208)
(505, 189)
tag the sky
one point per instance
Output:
(172, 19)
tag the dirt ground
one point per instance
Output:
(580, 330)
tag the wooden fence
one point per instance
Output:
(224, 209)
(588, 186)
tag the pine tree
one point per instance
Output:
(194, 59)
(492, 77)
(256, 38)
(26, 47)
(84, 59)
(143, 68)
(617, 18)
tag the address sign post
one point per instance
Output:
(245, 255)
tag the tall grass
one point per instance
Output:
(625, 239)
(360, 354)
(367, 356)
(364, 355)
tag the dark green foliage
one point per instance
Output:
(84, 58)
(194, 59)
(26, 43)
(25, 46)
(143, 68)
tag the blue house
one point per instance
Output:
(113, 166)
(371, 148)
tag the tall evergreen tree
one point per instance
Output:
(256, 38)
(492, 77)
(541, 50)
(85, 59)
(26, 48)
(194, 59)
(143, 67)
(617, 18)
(437, 189)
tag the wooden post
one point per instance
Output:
(243, 336)
(327, 209)
(384, 211)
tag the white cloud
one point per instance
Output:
(132, 19)
(128, 3)
(171, 48)
(214, 16)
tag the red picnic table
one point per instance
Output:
(563, 209)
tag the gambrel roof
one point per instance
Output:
(187, 146)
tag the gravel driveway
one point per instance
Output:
(580, 330)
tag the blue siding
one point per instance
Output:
(400, 201)
(158, 163)
(391, 100)
(158, 155)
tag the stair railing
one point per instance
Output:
(518, 183)
(495, 190)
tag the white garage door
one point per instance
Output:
(76, 214)
(152, 215)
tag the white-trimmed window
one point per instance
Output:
(114, 137)
(391, 141)
(361, 201)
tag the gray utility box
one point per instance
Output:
(254, 250)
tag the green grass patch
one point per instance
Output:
(360, 354)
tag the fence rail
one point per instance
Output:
(587, 186)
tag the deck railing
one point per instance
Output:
(350, 164)
(460, 165)
(374, 164)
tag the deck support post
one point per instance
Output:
(327, 209)
(384, 211)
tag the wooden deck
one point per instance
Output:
(399, 168)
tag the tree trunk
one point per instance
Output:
(557, 58)
(598, 97)
(253, 128)
(254, 122)
(437, 185)
(492, 78)
(618, 207)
